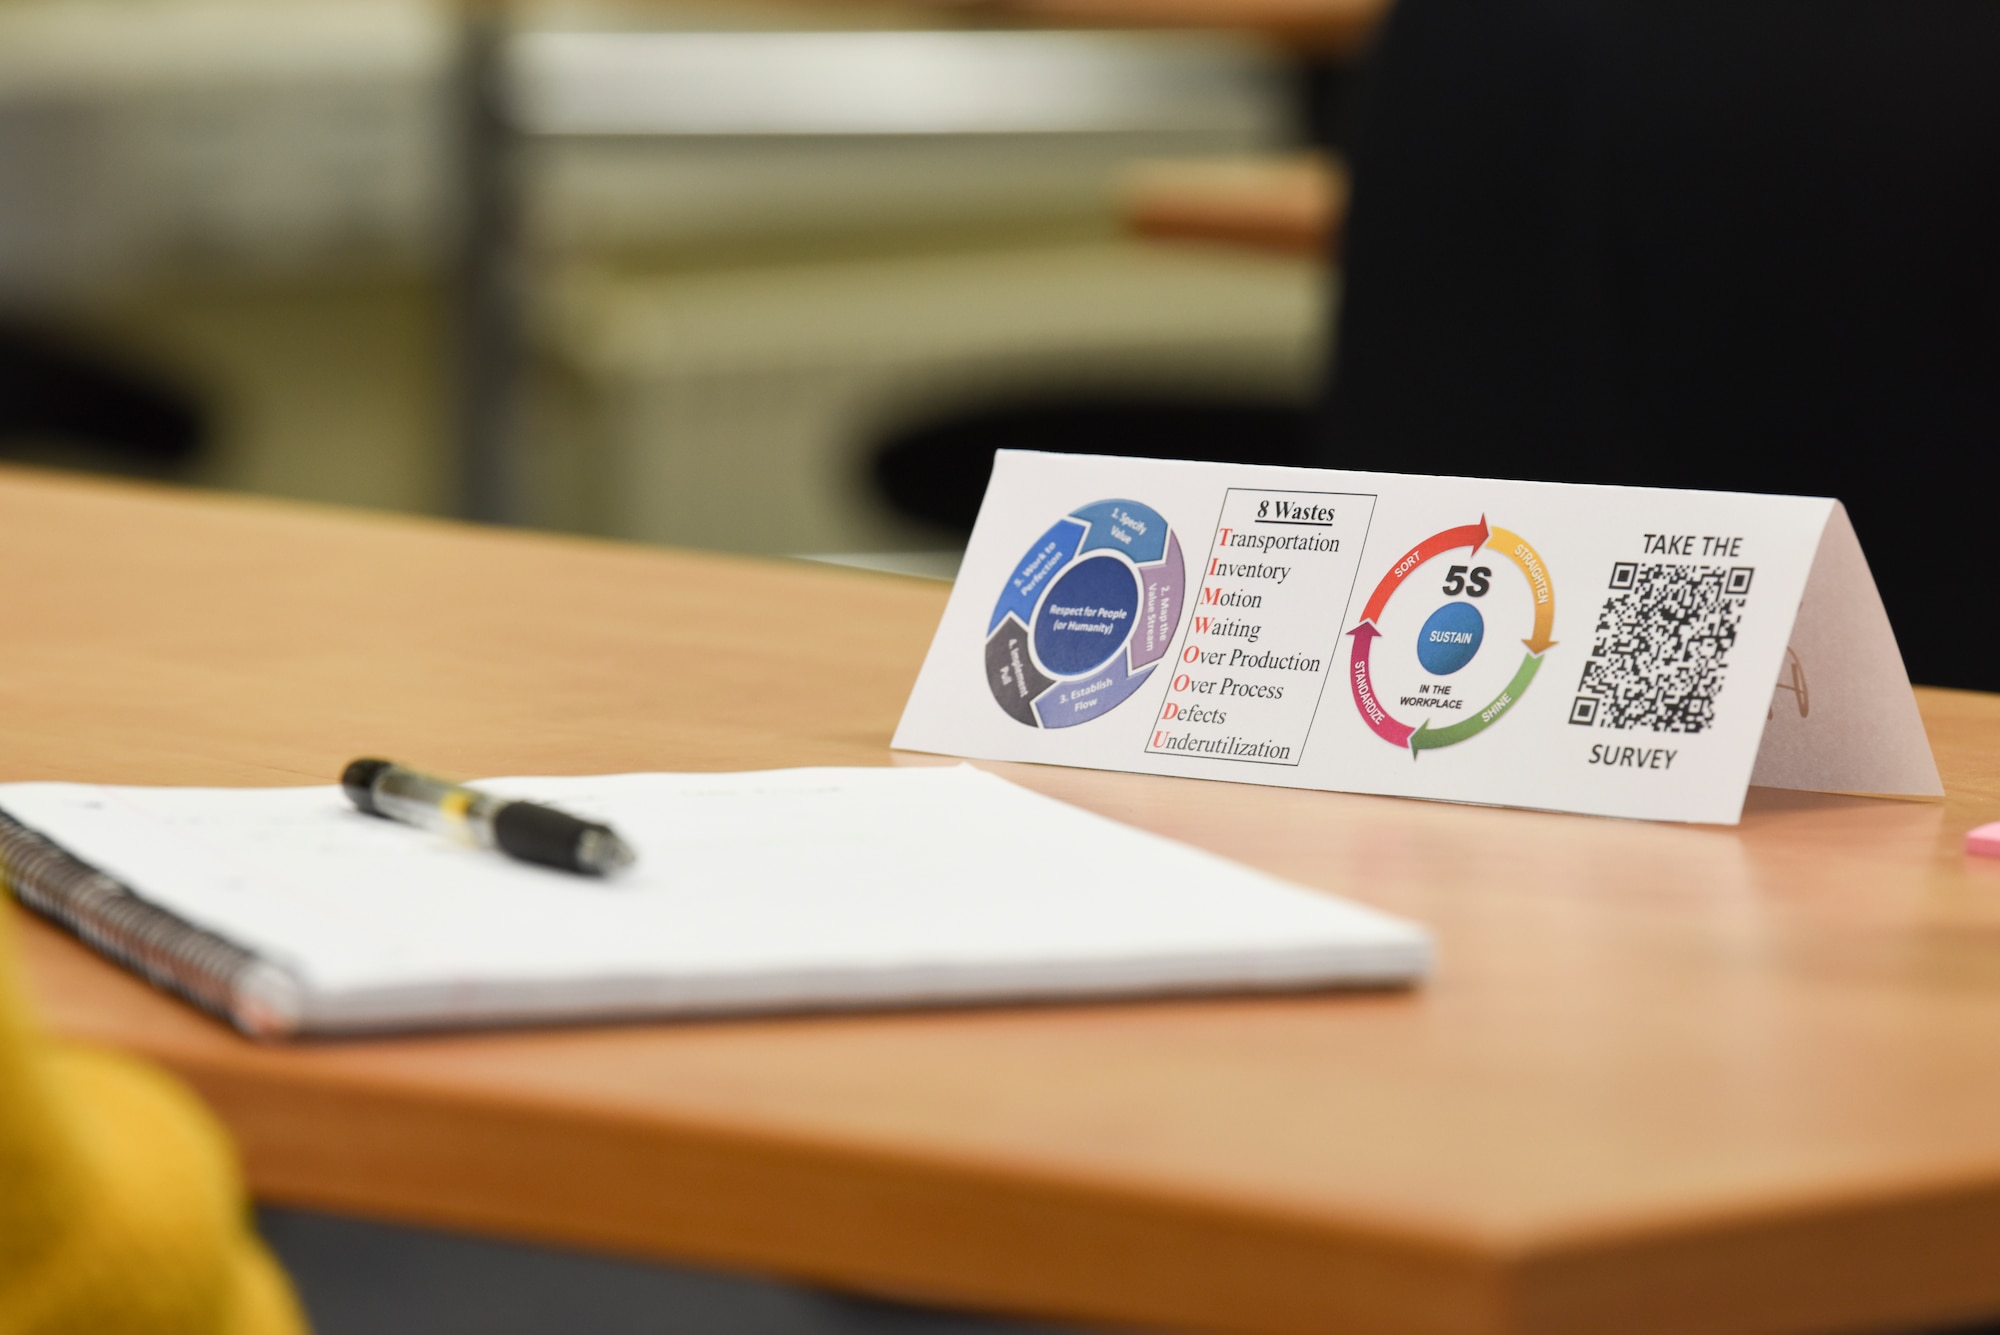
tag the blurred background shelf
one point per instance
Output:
(738, 252)
(746, 408)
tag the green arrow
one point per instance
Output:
(1427, 737)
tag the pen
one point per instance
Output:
(519, 829)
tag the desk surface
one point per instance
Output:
(1666, 1079)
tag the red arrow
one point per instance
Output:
(1467, 535)
(1372, 713)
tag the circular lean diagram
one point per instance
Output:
(1451, 637)
(1086, 615)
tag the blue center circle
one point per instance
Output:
(1087, 616)
(1450, 638)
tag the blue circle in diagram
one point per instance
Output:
(1450, 638)
(1086, 616)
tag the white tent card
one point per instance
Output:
(1618, 651)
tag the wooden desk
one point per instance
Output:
(1667, 1079)
(1294, 205)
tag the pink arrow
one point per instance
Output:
(1466, 535)
(1372, 713)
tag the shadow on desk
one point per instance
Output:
(357, 1278)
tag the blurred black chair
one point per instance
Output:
(936, 471)
(1690, 244)
(63, 401)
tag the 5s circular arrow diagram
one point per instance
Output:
(1471, 537)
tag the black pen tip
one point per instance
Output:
(358, 782)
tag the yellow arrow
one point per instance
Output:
(1530, 561)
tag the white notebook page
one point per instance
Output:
(779, 889)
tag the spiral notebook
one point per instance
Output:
(287, 912)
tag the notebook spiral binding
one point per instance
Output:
(168, 951)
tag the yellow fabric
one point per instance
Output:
(121, 1209)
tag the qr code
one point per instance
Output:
(1660, 654)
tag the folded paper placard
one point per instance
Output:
(1619, 651)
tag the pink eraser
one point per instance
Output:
(1985, 840)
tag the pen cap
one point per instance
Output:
(358, 782)
(539, 834)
